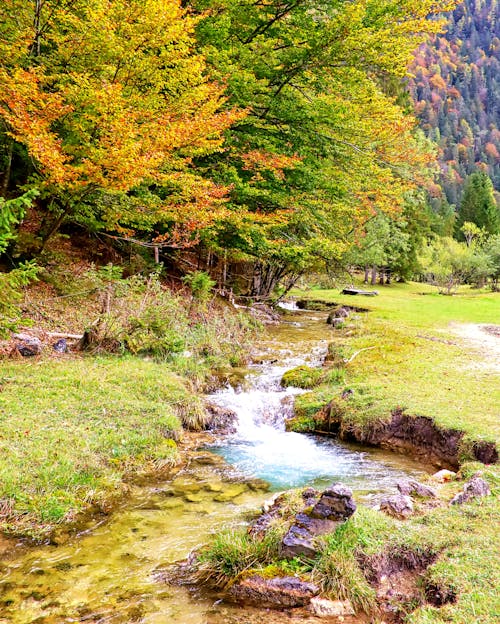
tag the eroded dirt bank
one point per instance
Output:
(416, 435)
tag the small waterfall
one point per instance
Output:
(261, 446)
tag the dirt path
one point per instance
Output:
(484, 339)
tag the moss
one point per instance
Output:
(301, 424)
(307, 377)
(302, 377)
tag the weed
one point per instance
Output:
(233, 552)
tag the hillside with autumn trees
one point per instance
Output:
(456, 89)
(256, 141)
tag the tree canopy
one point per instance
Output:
(270, 132)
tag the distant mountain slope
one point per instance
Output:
(456, 89)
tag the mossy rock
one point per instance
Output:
(301, 424)
(302, 377)
(306, 377)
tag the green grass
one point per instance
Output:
(71, 431)
(419, 362)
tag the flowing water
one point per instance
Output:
(109, 574)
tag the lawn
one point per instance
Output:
(71, 432)
(418, 360)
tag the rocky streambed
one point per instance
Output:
(114, 571)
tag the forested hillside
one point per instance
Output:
(456, 88)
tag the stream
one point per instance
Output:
(109, 573)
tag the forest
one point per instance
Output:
(257, 141)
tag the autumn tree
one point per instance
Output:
(110, 103)
(325, 144)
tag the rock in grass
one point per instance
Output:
(409, 487)
(335, 505)
(61, 346)
(321, 607)
(443, 476)
(397, 506)
(28, 346)
(276, 593)
(475, 488)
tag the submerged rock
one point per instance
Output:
(409, 487)
(230, 492)
(397, 506)
(475, 488)
(277, 593)
(321, 607)
(335, 505)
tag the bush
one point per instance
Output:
(200, 285)
(448, 264)
(141, 316)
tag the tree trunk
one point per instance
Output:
(8, 167)
(56, 224)
(367, 275)
(36, 26)
(374, 275)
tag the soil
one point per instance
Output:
(414, 435)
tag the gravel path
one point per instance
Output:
(485, 339)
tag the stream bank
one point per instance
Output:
(345, 414)
(109, 571)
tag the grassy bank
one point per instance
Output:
(73, 431)
(439, 566)
(74, 428)
(418, 360)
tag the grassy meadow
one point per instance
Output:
(417, 357)
(73, 431)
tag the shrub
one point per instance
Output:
(200, 285)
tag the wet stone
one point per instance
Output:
(276, 593)
(183, 486)
(321, 607)
(193, 497)
(207, 459)
(230, 493)
(213, 487)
